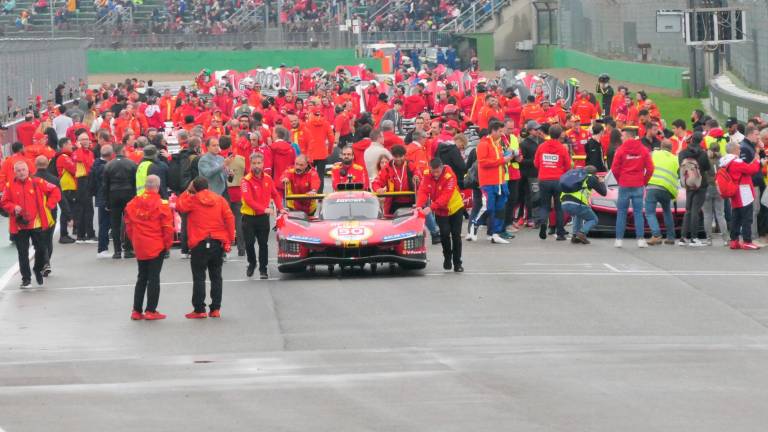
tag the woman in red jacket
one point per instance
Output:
(744, 200)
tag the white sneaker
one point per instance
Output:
(497, 239)
(186, 256)
(682, 242)
(104, 254)
(697, 243)
(618, 243)
(472, 234)
(641, 243)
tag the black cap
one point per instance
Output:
(732, 121)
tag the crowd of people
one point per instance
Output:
(212, 16)
(536, 164)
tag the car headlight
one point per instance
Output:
(604, 202)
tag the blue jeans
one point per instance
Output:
(431, 224)
(495, 200)
(584, 218)
(627, 195)
(652, 197)
(104, 223)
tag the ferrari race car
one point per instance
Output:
(350, 231)
(605, 208)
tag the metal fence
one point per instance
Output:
(271, 38)
(35, 67)
(746, 59)
(615, 28)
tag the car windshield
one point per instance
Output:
(610, 180)
(351, 208)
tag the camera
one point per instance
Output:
(21, 220)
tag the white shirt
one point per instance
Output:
(61, 123)
(737, 138)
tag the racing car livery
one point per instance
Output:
(350, 231)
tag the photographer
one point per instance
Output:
(28, 201)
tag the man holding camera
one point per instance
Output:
(29, 201)
(210, 233)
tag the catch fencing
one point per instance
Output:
(35, 67)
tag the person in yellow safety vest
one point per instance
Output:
(512, 144)
(150, 165)
(662, 189)
(577, 204)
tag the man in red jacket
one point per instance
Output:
(84, 158)
(347, 171)
(632, 167)
(258, 191)
(440, 188)
(552, 160)
(210, 233)
(298, 180)
(149, 226)
(29, 218)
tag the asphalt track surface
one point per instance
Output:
(534, 336)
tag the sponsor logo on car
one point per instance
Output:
(399, 236)
(304, 239)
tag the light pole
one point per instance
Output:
(50, 10)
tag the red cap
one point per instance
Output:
(452, 124)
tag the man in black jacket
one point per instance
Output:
(119, 188)
(529, 181)
(594, 149)
(41, 163)
(450, 154)
(96, 181)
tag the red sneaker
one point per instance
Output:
(749, 246)
(196, 315)
(152, 316)
(137, 316)
(216, 313)
(735, 244)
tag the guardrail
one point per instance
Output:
(271, 38)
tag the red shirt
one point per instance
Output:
(390, 139)
(26, 131)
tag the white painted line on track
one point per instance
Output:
(611, 268)
(613, 274)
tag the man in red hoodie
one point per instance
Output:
(318, 140)
(210, 233)
(149, 226)
(552, 160)
(632, 167)
(283, 155)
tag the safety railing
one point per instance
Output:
(269, 38)
(475, 16)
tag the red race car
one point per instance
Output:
(605, 209)
(350, 231)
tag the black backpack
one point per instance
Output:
(470, 178)
(180, 171)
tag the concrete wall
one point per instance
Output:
(139, 61)
(548, 56)
(728, 99)
(513, 24)
(613, 28)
